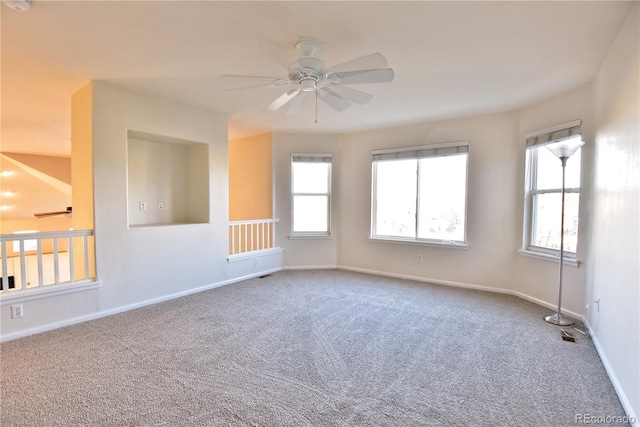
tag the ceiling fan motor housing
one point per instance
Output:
(307, 72)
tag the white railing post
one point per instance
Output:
(56, 261)
(40, 268)
(5, 273)
(72, 265)
(23, 265)
(86, 257)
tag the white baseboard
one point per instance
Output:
(426, 280)
(463, 285)
(311, 267)
(550, 306)
(105, 313)
(624, 401)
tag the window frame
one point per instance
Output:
(326, 158)
(414, 152)
(561, 131)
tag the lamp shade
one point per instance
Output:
(566, 147)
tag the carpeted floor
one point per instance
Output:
(309, 348)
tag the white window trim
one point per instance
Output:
(310, 234)
(421, 242)
(573, 262)
(547, 254)
(414, 152)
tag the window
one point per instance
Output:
(543, 195)
(419, 193)
(311, 194)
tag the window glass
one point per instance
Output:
(310, 213)
(442, 197)
(546, 229)
(310, 193)
(542, 221)
(396, 198)
(310, 177)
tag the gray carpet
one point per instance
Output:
(309, 348)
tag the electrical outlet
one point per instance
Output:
(17, 311)
(160, 206)
(142, 206)
(419, 258)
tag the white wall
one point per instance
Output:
(137, 266)
(614, 275)
(492, 197)
(311, 252)
(155, 261)
(538, 278)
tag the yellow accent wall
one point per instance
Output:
(250, 183)
(82, 172)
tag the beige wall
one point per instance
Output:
(492, 230)
(614, 273)
(250, 178)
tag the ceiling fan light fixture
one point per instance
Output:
(308, 85)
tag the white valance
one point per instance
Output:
(554, 134)
(421, 152)
(311, 157)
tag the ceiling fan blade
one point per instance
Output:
(297, 103)
(374, 60)
(332, 99)
(255, 81)
(280, 54)
(351, 94)
(381, 75)
(282, 100)
(229, 77)
(66, 212)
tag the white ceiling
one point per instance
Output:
(450, 58)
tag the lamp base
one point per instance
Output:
(558, 319)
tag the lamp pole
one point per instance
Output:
(558, 318)
(562, 150)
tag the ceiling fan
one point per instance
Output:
(67, 213)
(309, 75)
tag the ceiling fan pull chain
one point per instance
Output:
(316, 105)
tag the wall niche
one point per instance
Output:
(167, 180)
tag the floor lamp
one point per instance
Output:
(562, 150)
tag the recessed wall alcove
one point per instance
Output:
(167, 180)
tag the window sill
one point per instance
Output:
(435, 244)
(547, 257)
(302, 236)
(23, 295)
(253, 254)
